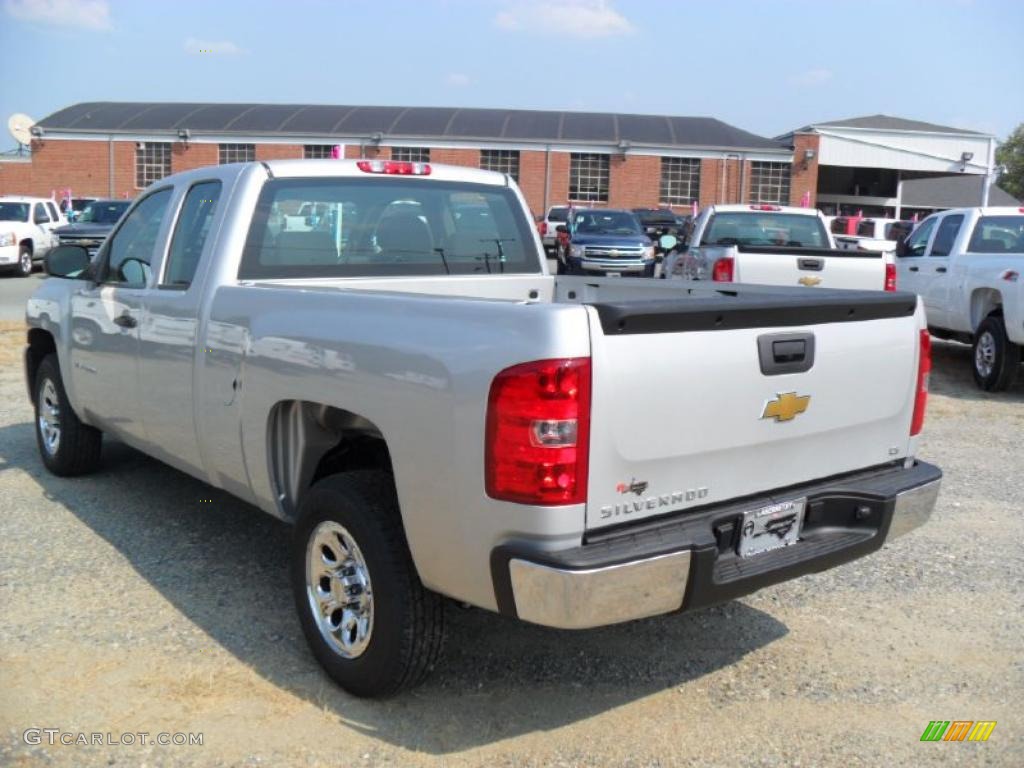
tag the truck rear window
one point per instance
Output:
(998, 234)
(379, 227)
(757, 228)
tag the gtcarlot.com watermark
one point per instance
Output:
(56, 736)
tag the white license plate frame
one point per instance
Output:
(771, 527)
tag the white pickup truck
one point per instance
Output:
(869, 234)
(27, 234)
(967, 264)
(774, 245)
(438, 415)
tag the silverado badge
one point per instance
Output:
(786, 407)
(809, 281)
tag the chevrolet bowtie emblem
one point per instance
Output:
(809, 281)
(786, 407)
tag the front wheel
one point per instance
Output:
(369, 621)
(996, 358)
(67, 446)
(24, 268)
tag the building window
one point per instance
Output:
(680, 180)
(769, 183)
(236, 153)
(317, 151)
(501, 160)
(588, 177)
(152, 162)
(411, 154)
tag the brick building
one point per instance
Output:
(116, 149)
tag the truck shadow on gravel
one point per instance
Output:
(952, 375)
(223, 565)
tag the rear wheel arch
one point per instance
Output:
(985, 302)
(308, 441)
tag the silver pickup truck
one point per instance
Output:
(438, 416)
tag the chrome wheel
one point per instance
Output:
(338, 588)
(985, 354)
(25, 263)
(49, 417)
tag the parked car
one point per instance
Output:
(967, 264)
(26, 231)
(660, 221)
(437, 415)
(774, 245)
(93, 224)
(604, 241)
(547, 227)
(870, 234)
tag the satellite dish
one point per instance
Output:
(20, 127)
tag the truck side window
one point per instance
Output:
(946, 236)
(131, 247)
(918, 241)
(190, 233)
(53, 211)
(39, 214)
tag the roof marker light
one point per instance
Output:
(766, 207)
(394, 167)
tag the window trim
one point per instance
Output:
(102, 261)
(233, 146)
(328, 147)
(693, 182)
(161, 285)
(605, 177)
(506, 155)
(758, 166)
(165, 146)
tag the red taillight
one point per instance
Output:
(538, 433)
(890, 277)
(543, 228)
(766, 207)
(722, 271)
(395, 167)
(924, 369)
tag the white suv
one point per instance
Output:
(27, 227)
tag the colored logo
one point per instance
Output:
(958, 730)
(809, 281)
(786, 407)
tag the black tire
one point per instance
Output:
(24, 266)
(78, 446)
(406, 635)
(996, 359)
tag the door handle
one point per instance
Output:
(913, 269)
(125, 321)
(941, 270)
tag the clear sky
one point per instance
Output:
(766, 67)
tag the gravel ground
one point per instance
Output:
(129, 605)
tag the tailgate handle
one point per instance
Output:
(811, 265)
(785, 353)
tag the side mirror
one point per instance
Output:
(667, 242)
(70, 261)
(562, 229)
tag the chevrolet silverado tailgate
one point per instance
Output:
(704, 398)
(810, 267)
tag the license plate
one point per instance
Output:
(613, 274)
(771, 527)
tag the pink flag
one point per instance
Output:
(914, 218)
(336, 152)
(805, 201)
(693, 209)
